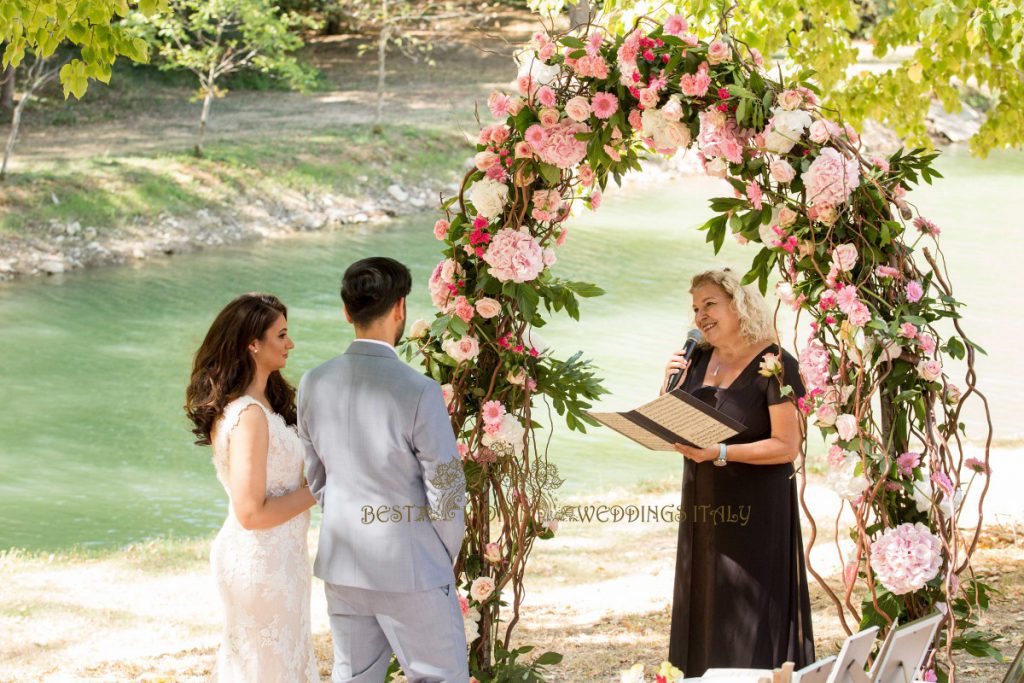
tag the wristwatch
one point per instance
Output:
(720, 461)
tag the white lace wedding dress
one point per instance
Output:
(264, 576)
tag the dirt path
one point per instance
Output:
(598, 593)
(120, 121)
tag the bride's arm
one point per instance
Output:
(247, 476)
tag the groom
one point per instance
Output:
(383, 464)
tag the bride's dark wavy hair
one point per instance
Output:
(223, 367)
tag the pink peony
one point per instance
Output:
(831, 178)
(906, 557)
(604, 105)
(441, 229)
(914, 291)
(514, 256)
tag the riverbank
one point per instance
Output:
(98, 212)
(598, 593)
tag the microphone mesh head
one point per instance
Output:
(695, 335)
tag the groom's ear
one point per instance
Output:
(399, 312)
(344, 309)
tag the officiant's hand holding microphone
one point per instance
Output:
(675, 373)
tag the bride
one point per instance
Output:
(241, 405)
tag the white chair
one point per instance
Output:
(902, 654)
(852, 659)
(815, 673)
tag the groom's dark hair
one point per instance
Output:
(372, 286)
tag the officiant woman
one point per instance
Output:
(740, 596)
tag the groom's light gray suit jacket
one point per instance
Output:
(379, 450)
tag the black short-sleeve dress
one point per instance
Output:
(741, 596)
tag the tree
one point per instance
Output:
(34, 74)
(28, 25)
(953, 45)
(393, 21)
(214, 38)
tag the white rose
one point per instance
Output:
(846, 425)
(891, 351)
(844, 257)
(482, 588)
(717, 167)
(826, 415)
(930, 370)
(489, 197)
(419, 329)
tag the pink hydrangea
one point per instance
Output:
(514, 256)
(560, 146)
(906, 557)
(831, 179)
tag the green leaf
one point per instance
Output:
(552, 174)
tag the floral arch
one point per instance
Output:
(834, 224)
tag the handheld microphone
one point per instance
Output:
(693, 337)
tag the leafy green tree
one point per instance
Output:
(214, 38)
(94, 26)
(949, 45)
(35, 72)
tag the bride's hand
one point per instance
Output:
(676, 362)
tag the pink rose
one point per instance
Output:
(830, 179)
(782, 171)
(441, 229)
(523, 150)
(649, 98)
(465, 349)
(604, 105)
(914, 291)
(549, 117)
(578, 109)
(929, 370)
(844, 256)
(487, 307)
(492, 553)
(846, 425)
(787, 217)
(819, 132)
(826, 415)
(718, 52)
(790, 100)
(515, 105)
(927, 343)
(908, 330)
(484, 160)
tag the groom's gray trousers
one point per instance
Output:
(383, 464)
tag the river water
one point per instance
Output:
(95, 449)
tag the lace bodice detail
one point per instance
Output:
(284, 452)
(263, 575)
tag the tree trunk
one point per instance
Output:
(202, 119)
(382, 55)
(579, 14)
(7, 92)
(13, 137)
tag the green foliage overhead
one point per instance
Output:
(94, 26)
(942, 48)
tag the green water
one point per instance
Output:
(95, 450)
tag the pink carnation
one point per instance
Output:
(441, 229)
(514, 256)
(696, 84)
(906, 557)
(463, 309)
(831, 179)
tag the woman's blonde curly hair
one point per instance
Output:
(755, 317)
